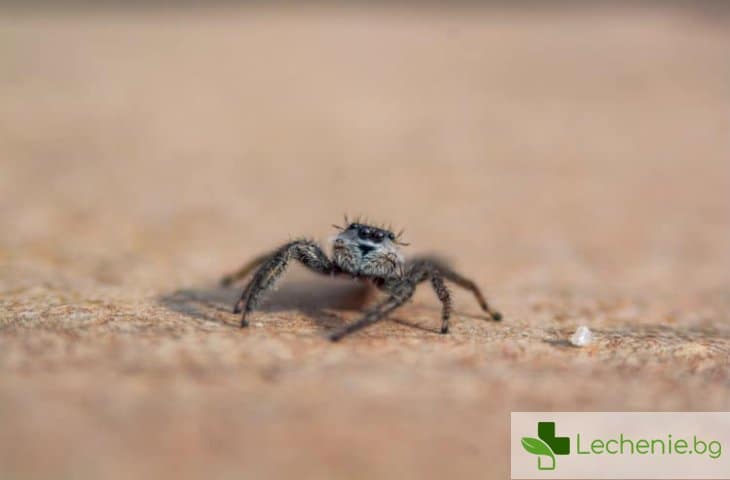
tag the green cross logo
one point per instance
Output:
(546, 445)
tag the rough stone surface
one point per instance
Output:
(574, 162)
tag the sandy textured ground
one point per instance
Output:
(574, 162)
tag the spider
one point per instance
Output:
(363, 252)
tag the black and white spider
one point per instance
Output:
(362, 252)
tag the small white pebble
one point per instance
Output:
(258, 324)
(582, 336)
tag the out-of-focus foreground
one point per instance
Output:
(574, 162)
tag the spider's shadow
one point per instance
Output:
(315, 298)
(312, 297)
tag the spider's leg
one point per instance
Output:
(422, 271)
(445, 297)
(245, 269)
(305, 251)
(376, 314)
(449, 274)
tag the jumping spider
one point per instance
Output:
(362, 252)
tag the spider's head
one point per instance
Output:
(368, 251)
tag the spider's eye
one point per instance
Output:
(364, 232)
(353, 226)
(391, 235)
(378, 236)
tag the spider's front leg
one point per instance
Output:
(449, 274)
(305, 251)
(422, 271)
(401, 290)
(404, 293)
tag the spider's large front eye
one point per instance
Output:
(364, 232)
(378, 237)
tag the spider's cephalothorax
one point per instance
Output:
(364, 252)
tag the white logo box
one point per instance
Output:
(601, 445)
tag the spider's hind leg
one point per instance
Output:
(245, 269)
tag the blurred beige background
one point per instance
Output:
(573, 160)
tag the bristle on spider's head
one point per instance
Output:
(360, 223)
(398, 241)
